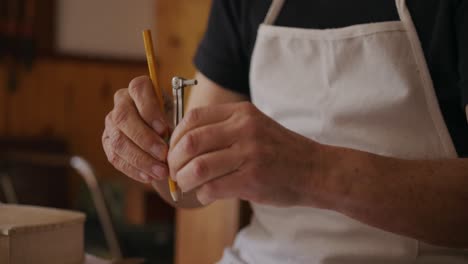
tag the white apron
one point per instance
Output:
(365, 87)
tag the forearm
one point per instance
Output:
(426, 200)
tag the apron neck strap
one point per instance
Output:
(273, 12)
(403, 11)
(277, 5)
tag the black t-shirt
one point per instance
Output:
(226, 49)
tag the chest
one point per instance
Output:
(431, 17)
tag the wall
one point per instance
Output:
(67, 99)
(105, 27)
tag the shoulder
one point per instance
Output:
(461, 2)
(462, 5)
(241, 16)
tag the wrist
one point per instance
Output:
(318, 186)
(332, 182)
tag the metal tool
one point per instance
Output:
(178, 85)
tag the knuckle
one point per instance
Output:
(119, 116)
(192, 116)
(120, 94)
(190, 143)
(108, 119)
(200, 169)
(137, 85)
(119, 164)
(124, 167)
(117, 142)
(104, 138)
(108, 123)
(112, 158)
(138, 81)
(141, 135)
(146, 141)
(134, 159)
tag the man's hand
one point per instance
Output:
(235, 151)
(135, 128)
(132, 138)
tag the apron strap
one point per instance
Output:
(273, 12)
(402, 9)
(277, 5)
(424, 72)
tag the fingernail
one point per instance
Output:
(159, 127)
(159, 171)
(144, 177)
(159, 151)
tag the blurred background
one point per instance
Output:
(60, 63)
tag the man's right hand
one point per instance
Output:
(134, 131)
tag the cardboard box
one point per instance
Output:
(35, 235)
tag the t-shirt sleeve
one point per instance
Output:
(462, 38)
(221, 55)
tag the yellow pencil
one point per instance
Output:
(150, 57)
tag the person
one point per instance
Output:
(342, 122)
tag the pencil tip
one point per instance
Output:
(175, 196)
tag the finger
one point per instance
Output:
(207, 167)
(126, 118)
(142, 92)
(132, 154)
(115, 143)
(199, 117)
(200, 141)
(226, 187)
(120, 164)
